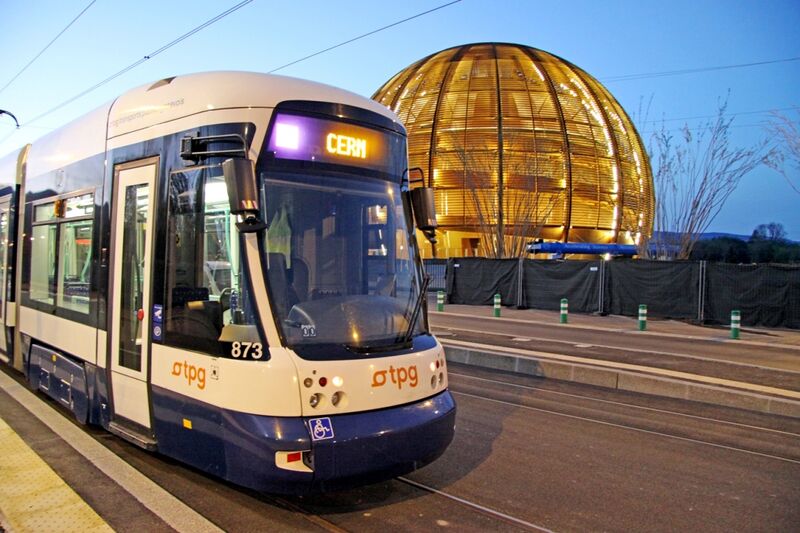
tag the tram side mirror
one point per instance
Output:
(240, 180)
(422, 202)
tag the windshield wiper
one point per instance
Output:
(423, 292)
(373, 348)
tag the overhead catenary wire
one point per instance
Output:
(213, 20)
(646, 75)
(43, 50)
(245, 2)
(143, 59)
(363, 35)
(736, 114)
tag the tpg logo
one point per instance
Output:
(191, 373)
(399, 376)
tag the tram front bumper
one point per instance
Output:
(377, 445)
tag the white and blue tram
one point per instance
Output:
(223, 267)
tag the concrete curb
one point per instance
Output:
(620, 379)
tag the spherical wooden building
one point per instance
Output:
(519, 144)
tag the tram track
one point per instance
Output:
(628, 427)
(475, 506)
(623, 404)
(306, 514)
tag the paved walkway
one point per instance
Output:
(782, 337)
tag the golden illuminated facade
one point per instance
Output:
(521, 143)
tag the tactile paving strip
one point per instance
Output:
(33, 498)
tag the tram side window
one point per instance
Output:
(75, 253)
(43, 254)
(204, 280)
(61, 252)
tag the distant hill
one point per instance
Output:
(670, 236)
(717, 235)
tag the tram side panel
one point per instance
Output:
(59, 279)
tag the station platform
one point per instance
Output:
(33, 497)
(759, 371)
(56, 477)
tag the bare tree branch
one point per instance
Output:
(785, 159)
(694, 175)
(527, 201)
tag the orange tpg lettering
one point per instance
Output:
(398, 376)
(191, 373)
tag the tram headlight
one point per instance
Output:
(308, 382)
(339, 399)
(315, 400)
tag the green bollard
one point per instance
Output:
(564, 310)
(440, 301)
(736, 322)
(496, 305)
(642, 317)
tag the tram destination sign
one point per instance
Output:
(305, 138)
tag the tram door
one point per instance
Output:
(5, 212)
(130, 291)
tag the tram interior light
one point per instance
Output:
(287, 136)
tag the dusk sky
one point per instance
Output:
(607, 39)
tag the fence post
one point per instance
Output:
(601, 288)
(642, 317)
(701, 293)
(564, 310)
(736, 319)
(497, 305)
(440, 301)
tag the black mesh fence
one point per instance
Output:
(767, 295)
(669, 289)
(545, 283)
(475, 281)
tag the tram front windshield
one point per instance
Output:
(340, 263)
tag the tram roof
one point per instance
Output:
(176, 97)
(195, 93)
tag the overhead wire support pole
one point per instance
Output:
(4, 112)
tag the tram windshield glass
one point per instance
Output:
(341, 266)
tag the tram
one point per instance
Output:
(222, 267)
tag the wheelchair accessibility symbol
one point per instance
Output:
(321, 428)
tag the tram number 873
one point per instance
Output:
(247, 350)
